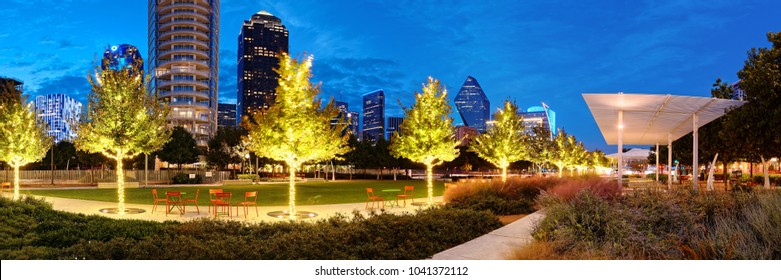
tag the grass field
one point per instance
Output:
(268, 194)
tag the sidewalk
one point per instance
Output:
(496, 245)
(89, 207)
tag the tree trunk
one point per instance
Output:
(764, 169)
(430, 183)
(292, 193)
(504, 174)
(120, 186)
(724, 164)
(16, 182)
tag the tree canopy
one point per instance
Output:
(181, 149)
(505, 142)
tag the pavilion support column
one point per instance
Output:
(695, 139)
(669, 161)
(657, 162)
(620, 147)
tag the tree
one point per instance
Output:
(427, 134)
(565, 152)
(504, 142)
(540, 145)
(182, 149)
(123, 120)
(220, 147)
(759, 120)
(295, 129)
(22, 139)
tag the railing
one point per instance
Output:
(165, 52)
(90, 177)
(163, 83)
(183, 71)
(169, 24)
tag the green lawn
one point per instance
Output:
(268, 195)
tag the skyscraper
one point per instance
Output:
(262, 39)
(394, 124)
(183, 62)
(226, 116)
(121, 56)
(473, 105)
(60, 113)
(373, 115)
(539, 115)
(345, 117)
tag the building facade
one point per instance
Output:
(373, 116)
(261, 40)
(539, 115)
(737, 92)
(226, 116)
(183, 62)
(123, 56)
(394, 124)
(346, 117)
(61, 113)
(473, 105)
(465, 134)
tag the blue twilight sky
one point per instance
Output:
(528, 51)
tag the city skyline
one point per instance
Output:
(532, 52)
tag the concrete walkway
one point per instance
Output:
(496, 245)
(90, 207)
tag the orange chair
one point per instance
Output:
(175, 199)
(157, 200)
(194, 201)
(247, 203)
(374, 199)
(223, 200)
(212, 197)
(407, 194)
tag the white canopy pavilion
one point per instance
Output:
(650, 119)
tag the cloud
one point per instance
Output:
(228, 68)
(348, 79)
(77, 87)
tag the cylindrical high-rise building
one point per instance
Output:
(183, 62)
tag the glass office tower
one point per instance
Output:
(473, 105)
(373, 116)
(261, 40)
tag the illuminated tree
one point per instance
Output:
(505, 142)
(295, 129)
(540, 145)
(427, 134)
(565, 152)
(122, 121)
(22, 139)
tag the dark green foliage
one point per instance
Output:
(184, 178)
(220, 153)
(31, 229)
(181, 149)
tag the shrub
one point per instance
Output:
(604, 188)
(516, 196)
(662, 177)
(252, 177)
(681, 224)
(183, 178)
(31, 229)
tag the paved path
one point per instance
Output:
(90, 207)
(496, 245)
